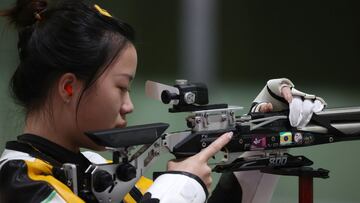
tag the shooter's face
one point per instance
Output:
(105, 105)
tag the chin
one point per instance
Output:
(97, 148)
(89, 144)
(121, 125)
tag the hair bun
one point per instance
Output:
(25, 12)
(39, 5)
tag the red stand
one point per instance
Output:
(306, 179)
(306, 189)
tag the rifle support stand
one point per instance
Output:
(306, 176)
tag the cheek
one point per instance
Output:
(99, 111)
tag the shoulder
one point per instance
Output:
(27, 179)
(8, 155)
(17, 183)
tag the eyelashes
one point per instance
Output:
(124, 89)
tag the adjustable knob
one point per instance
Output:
(126, 172)
(102, 180)
(167, 96)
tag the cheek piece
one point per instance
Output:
(69, 89)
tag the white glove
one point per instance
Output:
(301, 110)
(301, 105)
(177, 188)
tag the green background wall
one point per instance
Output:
(314, 43)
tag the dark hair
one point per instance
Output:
(63, 36)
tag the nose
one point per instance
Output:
(127, 106)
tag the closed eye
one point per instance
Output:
(124, 89)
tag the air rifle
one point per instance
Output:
(270, 133)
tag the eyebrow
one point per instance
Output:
(125, 75)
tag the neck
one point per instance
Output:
(44, 125)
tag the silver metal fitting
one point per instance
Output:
(181, 82)
(189, 98)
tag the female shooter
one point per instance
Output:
(76, 65)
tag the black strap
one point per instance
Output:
(136, 194)
(27, 147)
(276, 96)
(253, 106)
(2, 161)
(324, 122)
(157, 174)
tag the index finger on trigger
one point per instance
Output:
(215, 146)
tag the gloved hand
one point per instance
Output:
(301, 110)
(301, 106)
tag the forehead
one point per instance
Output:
(124, 65)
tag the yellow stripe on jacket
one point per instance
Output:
(143, 185)
(38, 170)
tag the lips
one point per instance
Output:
(120, 121)
(121, 124)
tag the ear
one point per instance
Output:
(67, 86)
